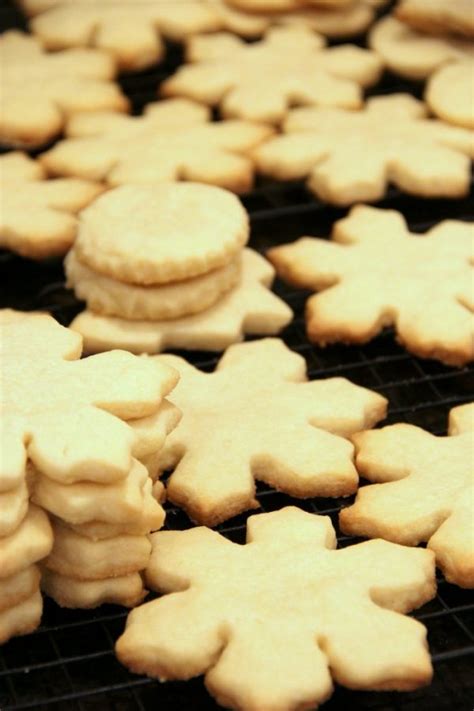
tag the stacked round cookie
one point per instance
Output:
(158, 252)
(163, 265)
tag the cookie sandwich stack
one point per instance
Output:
(164, 265)
(72, 434)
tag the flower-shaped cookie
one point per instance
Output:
(249, 308)
(37, 216)
(63, 413)
(423, 491)
(272, 622)
(375, 273)
(173, 140)
(39, 91)
(352, 156)
(227, 437)
(261, 80)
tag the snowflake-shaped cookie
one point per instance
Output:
(352, 156)
(63, 413)
(375, 273)
(290, 66)
(257, 417)
(132, 31)
(173, 140)
(424, 491)
(39, 91)
(249, 308)
(413, 54)
(37, 216)
(272, 622)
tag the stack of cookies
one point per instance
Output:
(73, 433)
(167, 260)
(101, 528)
(21, 603)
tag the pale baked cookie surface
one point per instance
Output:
(249, 308)
(450, 93)
(37, 216)
(273, 622)
(172, 140)
(132, 32)
(261, 80)
(352, 156)
(422, 492)
(413, 54)
(39, 91)
(63, 413)
(154, 234)
(374, 273)
(216, 452)
(107, 296)
(29, 543)
(438, 16)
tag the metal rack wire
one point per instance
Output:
(69, 662)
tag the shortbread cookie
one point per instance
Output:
(80, 557)
(85, 501)
(133, 32)
(155, 234)
(19, 586)
(22, 618)
(37, 218)
(438, 16)
(450, 93)
(62, 413)
(250, 308)
(413, 54)
(151, 432)
(260, 81)
(40, 91)
(425, 288)
(130, 31)
(110, 297)
(126, 590)
(13, 508)
(351, 156)
(151, 518)
(217, 451)
(423, 492)
(31, 542)
(154, 147)
(271, 623)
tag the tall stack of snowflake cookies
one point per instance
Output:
(72, 434)
(165, 266)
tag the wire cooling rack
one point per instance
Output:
(69, 662)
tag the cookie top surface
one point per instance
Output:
(276, 597)
(161, 233)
